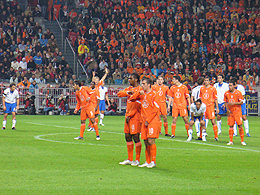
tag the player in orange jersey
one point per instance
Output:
(179, 96)
(209, 96)
(162, 91)
(87, 108)
(94, 98)
(233, 100)
(150, 120)
(132, 121)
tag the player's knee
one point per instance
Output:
(83, 121)
(191, 123)
(244, 117)
(136, 138)
(151, 141)
(128, 137)
(165, 118)
(218, 117)
(202, 123)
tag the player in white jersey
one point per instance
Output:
(197, 111)
(243, 107)
(10, 104)
(221, 88)
(102, 104)
(195, 94)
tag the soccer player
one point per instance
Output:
(95, 99)
(162, 91)
(132, 121)
(150, 120)
(10, 104)
(243, 107)
(87, 108)
(209, 96)
(195, 94)
(197, 111)
(221, 88)
(233, 100)
(102, 104)
(179, 95)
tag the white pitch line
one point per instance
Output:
(199, 143)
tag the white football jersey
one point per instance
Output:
(10, 97)
(242, 90)
(221, 90)
(193, 109)
(103, 91)
(195, 93)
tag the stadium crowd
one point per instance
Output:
(187, 38)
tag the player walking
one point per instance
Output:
(209, 96)
(197, 111)
(87, 108)
(162, 91)
(102, 104)
(243, 107)
(150, 120)
(195, 94)
(10, 104)
(233, 101)
(179, 95)
(132, 121)
(221, 88)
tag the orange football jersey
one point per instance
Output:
(162, 91)
(179, 94)
(208, 95)
(82, 96)
(236, 96)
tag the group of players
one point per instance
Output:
(146, 102)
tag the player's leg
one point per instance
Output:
(190, 131)
(130, 148)
(197, 127)
(102, 108)
(239, 121)
(231, 122)
(13, 120)
(219, 124)
(165, 125)
(174, 120)
(144, 131)
(235, 129)
(215, 129)
(138, 147)
(90, 125)
(246, 125)
(203, 130)
(95, 125)
(82, 129)
(4, 120)
(153, 151)
(186, 121)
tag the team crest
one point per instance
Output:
(145, 104)
(205, 96)
(178, 94)
(160, 93)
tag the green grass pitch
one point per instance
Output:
(41, 157)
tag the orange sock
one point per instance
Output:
(153, 152)
(241, 132)
(215, 129)
(160, 127)
(173, 129)
(82, 129)
(166, 127)
(130, 148)
(96, 128)
(138, 147)
(187, 129)
(200, 132)
(231, 132)
(96, 120)
(147, 153)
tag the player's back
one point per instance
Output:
(221, 89)
(179, 94)
(195, 93)
(208, 95)
(230, 97)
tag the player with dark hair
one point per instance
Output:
(179, 96)
(10, 102)
(87, 108)
(162, 91)
(150, 120)
(233, 100)
(132, 127)
(209, 96)
(197, 111)
(221, 88)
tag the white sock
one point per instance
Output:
(190, 131)
(219, 126)
(197, 126)
(235, 128)
(204, 133)
(14, 122)
(101, 118)
(246, 126)
(4, 123)
(206, 124)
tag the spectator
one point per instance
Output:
(23, 64)
(118, 80)
(38, 59)
(24, 84)
(116, 75)
(48, 104)
(112, 108)
(63, 103)
(32, 87)
(14, 79)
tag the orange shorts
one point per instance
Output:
(133, 127)
(235, 117)
(210, 112)
(176, 112)
(152, 131)
(87, 113)
(163, 110)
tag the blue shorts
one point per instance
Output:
(10, 107)
(198, 117)
(222, 110)
(102, 105)
(243, 107)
